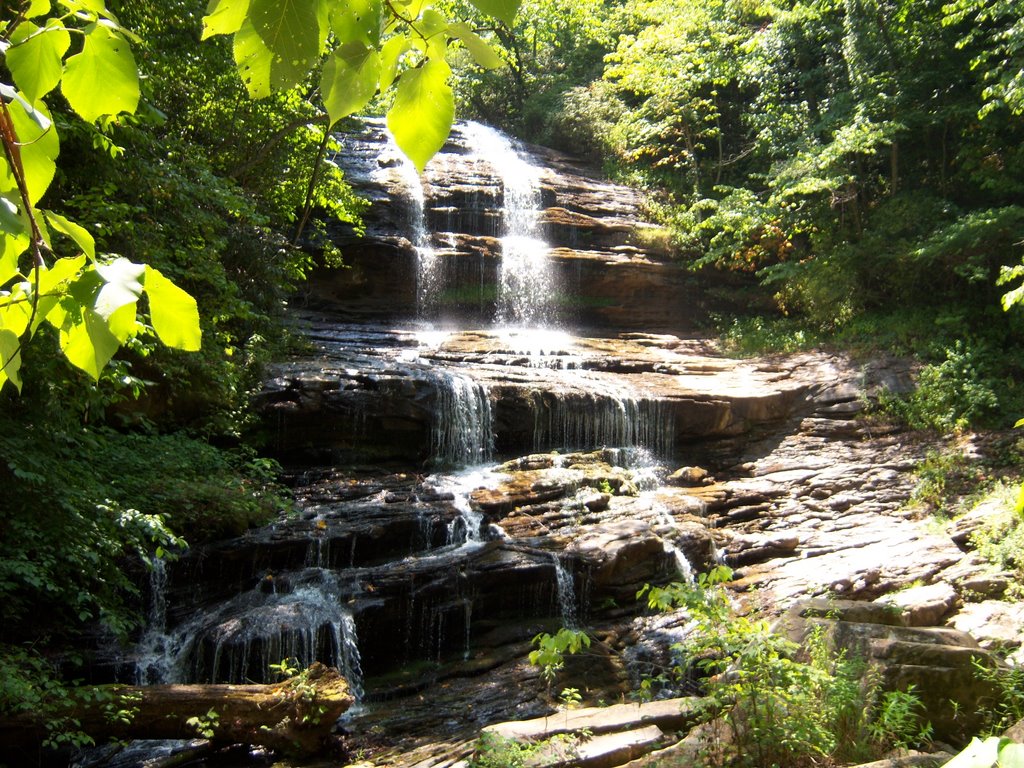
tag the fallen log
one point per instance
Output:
(294, 717)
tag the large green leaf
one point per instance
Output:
(253, 60)
(87, 342)
(481, 52)
(424, 109)
(291, 31)
(10, 358)
(390, 53)
(358, 20)
(122, 284)
(173, 312)
(500, 9)
(39, 147)
(224, 17)
(102, 79)
(38, 8)
(14, 239)
(82, 237)
(349, 79)
(35, 57)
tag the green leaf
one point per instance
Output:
(481, 52)
(173, 312)
(253, 60)
(88, 343)
(37, 8)
(14, 239)
(10, 358)
(505, 10)
(82, 237)
(390, 53)
(349, 79)
(123, 322)
(103, 78)
(358, 20)
(35, 57)
(39, 147)
(122, 285)
(290, 29)
(224, 17)
(433, 27)
(424, 109)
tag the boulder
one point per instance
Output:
(622, 557)
(922, 606)
(938, 663)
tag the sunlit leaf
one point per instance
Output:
(349, 79)
(122, 285)
(290, 29)
(173, 312)
(481, 52)
(358, 20)
(123, 323)
(505, 10)
(14, 239)
(38, 8)
(88, 344)
(81, 236)
(390, 53)
(36, 57)
(102, 79)
(10, 358)
(39, 147)
(253, 60)
(224, 17)
(424, 109)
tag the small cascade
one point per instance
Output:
(152, 645)
(303, 619)
(612, 417)
(462, 432)
(428, 278)
(566, 593)
(525, 291)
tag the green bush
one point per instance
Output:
(784, 705)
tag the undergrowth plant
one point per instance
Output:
(783, 705)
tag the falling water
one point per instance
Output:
(566, 593)
(462, 432)
(612, 417)
(525, 294)
(305, 621)
(152, 645)
(428, 276)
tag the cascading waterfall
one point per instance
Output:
(525, 292)
(152, 645)
(605, 416)
(462, 432)
(305, 620)
(566, 593)
(428, 277)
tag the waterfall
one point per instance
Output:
(566, 593)
(153, 643)
(462, 432)
(605, 416)
(304, 621)
(525, 291)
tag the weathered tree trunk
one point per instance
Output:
(293, 717)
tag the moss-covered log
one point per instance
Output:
(294, 717)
